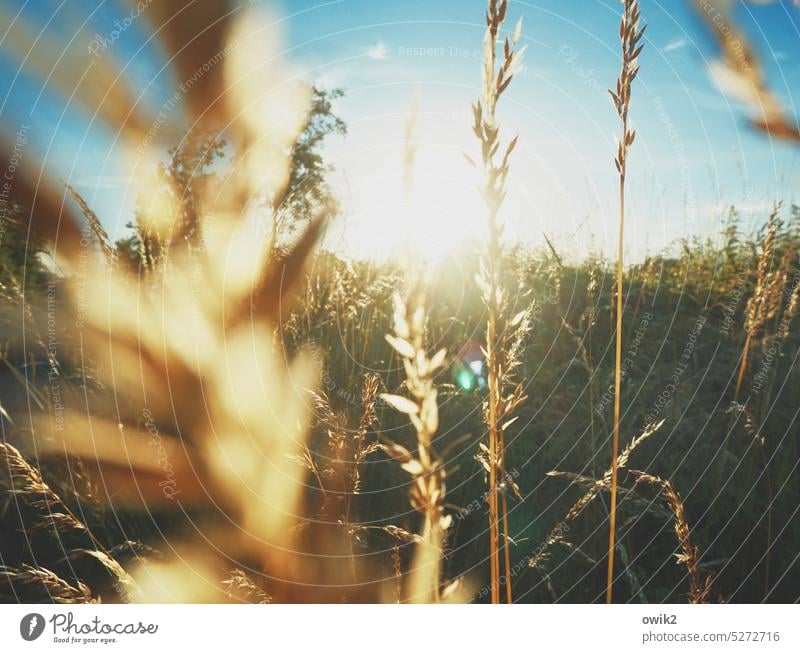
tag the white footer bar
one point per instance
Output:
(401, 629)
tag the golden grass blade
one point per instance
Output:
(500, 332)
(28, 584)
(699, 588)
(427, 494)
(100, 234)
(194, 36)
(768, 286)
(141, 468)
(630, 35)
(273, 294)
(740, 73)
(595, 487)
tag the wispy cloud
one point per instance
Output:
(96, 183)
(675, 44)
(378, 52)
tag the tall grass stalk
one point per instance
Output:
(602, 484)
(426, 470)
(768, 286)
(699, 587)
(630, 35)
(496, 78)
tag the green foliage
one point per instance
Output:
(197, 163)
(20, 249)
(308, 183)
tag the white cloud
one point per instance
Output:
(377, 52)
(110, 181)
(675, 44)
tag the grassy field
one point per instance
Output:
(200, 414)
(733, 461)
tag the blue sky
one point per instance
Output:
(693, 155)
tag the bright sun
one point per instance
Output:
(442, 211)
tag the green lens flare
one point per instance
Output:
(466, 380)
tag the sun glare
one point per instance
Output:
(442, 212)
